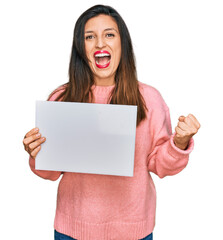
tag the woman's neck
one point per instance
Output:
(104, 82)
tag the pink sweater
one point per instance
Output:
(105, 207)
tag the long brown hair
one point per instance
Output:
(81, 79)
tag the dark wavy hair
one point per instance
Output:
(81, 79)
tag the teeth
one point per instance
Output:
(102, 55)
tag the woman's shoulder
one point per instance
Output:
(148, 91)
(56, 93)
(151, 95)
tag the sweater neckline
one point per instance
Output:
(102, 90)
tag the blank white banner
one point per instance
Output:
(86, 137)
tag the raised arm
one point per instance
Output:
(170, 152)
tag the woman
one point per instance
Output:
(102, 70)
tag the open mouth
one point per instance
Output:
(102, 59)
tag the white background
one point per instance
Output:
(179, 51)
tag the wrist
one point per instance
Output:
(181, 146)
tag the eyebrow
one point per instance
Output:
(107, 29)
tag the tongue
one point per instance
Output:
(102, 60)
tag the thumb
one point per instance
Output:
(181, 118)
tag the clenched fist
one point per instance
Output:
(185, 129)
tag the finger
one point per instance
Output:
(195, 121)
(183, 126)
(179, 132)
(189, 130)
(191, 125)
(35, 151)
(36, 143)
(32, 138)
(31, 132)
(181, 118)
(189, 122)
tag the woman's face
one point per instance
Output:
(103, 48)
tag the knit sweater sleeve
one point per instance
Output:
(50, 175)
(164, 157)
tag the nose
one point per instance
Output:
(100, 42)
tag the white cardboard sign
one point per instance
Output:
(86, 137)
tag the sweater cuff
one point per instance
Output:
(31, 162)
(177, 152)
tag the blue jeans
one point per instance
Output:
(60, 236)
